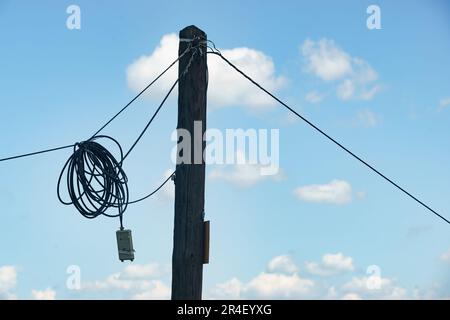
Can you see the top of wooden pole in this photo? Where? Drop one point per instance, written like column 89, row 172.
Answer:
column 191, row 31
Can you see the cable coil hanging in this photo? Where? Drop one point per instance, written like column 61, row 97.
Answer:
column 95, row 180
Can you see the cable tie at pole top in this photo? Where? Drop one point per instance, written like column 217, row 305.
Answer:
column 194, row 42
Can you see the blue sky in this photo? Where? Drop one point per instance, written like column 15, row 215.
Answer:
column 384, row 93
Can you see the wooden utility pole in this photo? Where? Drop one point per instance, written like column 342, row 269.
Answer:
column 188, row 239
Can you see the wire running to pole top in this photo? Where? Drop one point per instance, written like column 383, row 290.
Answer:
column 95, row 179
column 111, row 119
column 218, row 53
column 154, row 191
column 143, row 90
column 36, row 153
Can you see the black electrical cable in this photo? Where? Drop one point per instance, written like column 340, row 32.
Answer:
column 151, row 119
column 95, row 179
column 111, row 119
column 143, row 90
column 35, row 153
column 218, row 53
column 154, row 191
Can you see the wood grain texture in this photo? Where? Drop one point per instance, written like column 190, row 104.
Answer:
column 188, row 246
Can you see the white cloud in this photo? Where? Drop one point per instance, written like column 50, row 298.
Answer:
column 329, row 63
column 334, row 192
column 143, row 70
column 243, row 174
column 314, row 97
column 136, row 281
column 169, row 188
column 444, row 103
column 157, row 291
column 135, row 288
column 331, row 264
column 230, row 289
column 367, row 118
column 226, row 87
column 167, row 192
column 281, row 281
column 229, row 88
column 445, row 256
column 282, row 264
column 47, row 294
column 386, row 288
column 368, row 94
column 139, row 271
column 326, row 60
column 346, row 90
column 332, row 293
column 8, row 281
column 265, row 285
column 279, row 286
column 362, row 71
column 114, row 281
column 351, row 296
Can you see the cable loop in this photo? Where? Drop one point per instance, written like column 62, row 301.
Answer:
column 95, row 180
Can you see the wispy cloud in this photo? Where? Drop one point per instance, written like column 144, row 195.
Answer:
column 367, row 118
column 281, row 281
column 331, row 264
column 243, row 174
column 314, row 97
column 327, row 61
column 287, row 283
column 46, row 294
column 335, row 192
column 444, row 103
column 283, row 264
column 361, row 288
column 136, row 281
column 445, row 256
column 8, row 281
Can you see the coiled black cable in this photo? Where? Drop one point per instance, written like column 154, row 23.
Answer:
column 95, row 179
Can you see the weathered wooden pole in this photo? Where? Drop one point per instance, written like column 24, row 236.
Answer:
column 188, row 239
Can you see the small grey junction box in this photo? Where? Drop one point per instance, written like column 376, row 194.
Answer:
column 125, row 245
